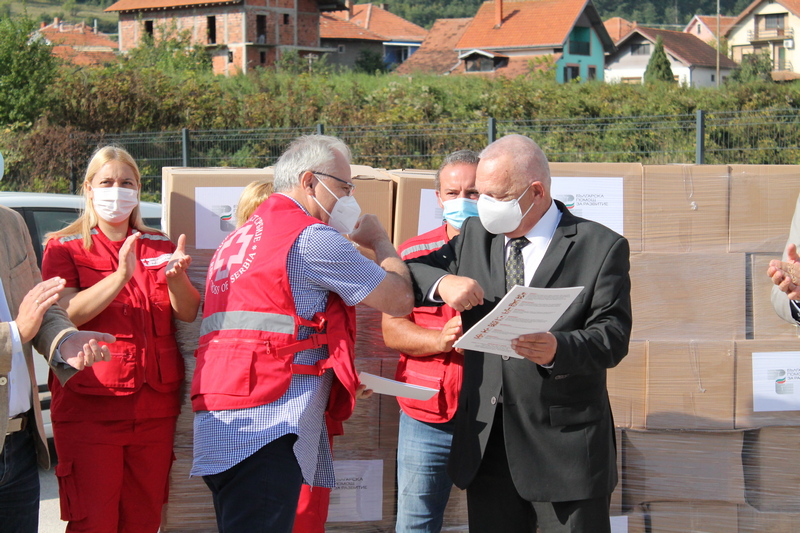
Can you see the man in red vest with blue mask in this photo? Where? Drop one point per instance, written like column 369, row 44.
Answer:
column 276, row 340
column 425, row 339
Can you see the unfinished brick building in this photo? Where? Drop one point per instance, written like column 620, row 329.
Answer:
column 239, row 34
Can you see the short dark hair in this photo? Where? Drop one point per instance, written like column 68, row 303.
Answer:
column 461, row 157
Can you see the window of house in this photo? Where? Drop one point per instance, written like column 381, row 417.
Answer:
column 211, row 29
column 148, row 27
column 640, row 49
column 261, row 29
column 698, row 29
column 340, row 49
column 230, row 56
column 262, row 57
column 579, row 42
column 571, row 72
column 591, row 73
column 713, row 78
column 485, row 64
column 774, row 21
column 286, row 18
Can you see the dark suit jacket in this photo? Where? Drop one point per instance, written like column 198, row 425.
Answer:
column 558, row 428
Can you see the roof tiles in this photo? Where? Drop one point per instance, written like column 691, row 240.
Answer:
column 687, row 47
column 331, row 27
column 552, row 20
column 381, row 22
column 437, row 55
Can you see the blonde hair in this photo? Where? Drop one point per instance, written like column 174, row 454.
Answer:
column 252, row 196
column 88, row 220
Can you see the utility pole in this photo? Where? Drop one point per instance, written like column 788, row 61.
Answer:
column 719, row 43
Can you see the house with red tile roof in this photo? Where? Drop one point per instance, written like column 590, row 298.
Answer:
column 704, row 27
column 79, row 44
column 618, row 27
column 239, row 34
column 357, row 27
column 693, row 62
column 508, row 37
column 437, row 55
column 767, row 27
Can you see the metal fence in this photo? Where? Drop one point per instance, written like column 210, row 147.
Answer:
column 769, row 136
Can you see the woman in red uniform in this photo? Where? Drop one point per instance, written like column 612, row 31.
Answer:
column 114, row 425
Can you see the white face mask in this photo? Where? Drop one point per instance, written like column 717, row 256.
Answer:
column 114, row 204
column 501, row 217
column 345, row 212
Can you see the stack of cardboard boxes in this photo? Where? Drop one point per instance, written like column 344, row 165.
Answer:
column 693, row 453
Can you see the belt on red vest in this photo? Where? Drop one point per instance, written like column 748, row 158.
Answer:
column 314, row 341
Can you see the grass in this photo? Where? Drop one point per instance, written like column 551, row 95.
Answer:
column 44, row 10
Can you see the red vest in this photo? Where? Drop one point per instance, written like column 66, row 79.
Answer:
column 140, row 317
column 443, row 371
column 248, row 336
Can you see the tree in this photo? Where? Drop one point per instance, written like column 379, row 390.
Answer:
column 370, row 62
column 754, row 67
column 27, row 68
column 658, row 68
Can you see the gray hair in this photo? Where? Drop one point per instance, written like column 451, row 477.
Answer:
column 461, row 157
column 309, row 152
column 527, row 158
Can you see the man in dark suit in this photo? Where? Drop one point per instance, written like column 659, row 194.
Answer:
column 534, row 437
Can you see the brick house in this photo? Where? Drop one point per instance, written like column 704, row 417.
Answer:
column 78, row 44
column 239, row 34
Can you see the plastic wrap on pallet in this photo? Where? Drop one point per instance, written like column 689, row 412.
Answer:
column 707, row 403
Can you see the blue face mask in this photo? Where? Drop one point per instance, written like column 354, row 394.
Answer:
column 458, row 210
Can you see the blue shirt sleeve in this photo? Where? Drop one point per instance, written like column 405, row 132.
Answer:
column 332, row 263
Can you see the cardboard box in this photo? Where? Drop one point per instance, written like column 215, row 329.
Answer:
column 763, row 321
column 178, row 193
column 745, row 416
column 627, row 388
column 412, row 187
column 190, row 507
column 181, row 188
column 569, row 181
column 690, row 385
column 771, row 459
column 762, row 202
column 685, row 208
column 752, row 520
column 674, row 517
column 683, row 297
column 679, row 466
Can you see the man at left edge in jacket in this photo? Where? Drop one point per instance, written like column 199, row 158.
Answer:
column 30, row 318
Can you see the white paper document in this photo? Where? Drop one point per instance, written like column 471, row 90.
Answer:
column 776, row 381
column 391, row 387
column 523, row 310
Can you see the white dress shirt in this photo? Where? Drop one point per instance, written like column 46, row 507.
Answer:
column 19, row 381
column 540, row 236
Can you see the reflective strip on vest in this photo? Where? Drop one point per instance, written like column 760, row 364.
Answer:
column 422, row 247
column 227, row 320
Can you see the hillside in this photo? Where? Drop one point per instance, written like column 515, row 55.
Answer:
column 68, row 11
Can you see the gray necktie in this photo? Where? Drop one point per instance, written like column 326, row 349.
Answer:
column 515, row 267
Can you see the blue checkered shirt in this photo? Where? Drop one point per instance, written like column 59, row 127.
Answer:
column 321, row 260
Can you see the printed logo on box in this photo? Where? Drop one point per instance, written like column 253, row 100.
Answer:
column 783, row 383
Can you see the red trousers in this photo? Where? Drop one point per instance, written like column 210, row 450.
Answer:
column 113, row 476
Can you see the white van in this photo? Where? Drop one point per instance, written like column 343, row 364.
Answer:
column 43, row 213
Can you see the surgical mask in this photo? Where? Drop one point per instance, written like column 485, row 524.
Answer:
column 345, row 212
column 114, row 204
column 457, row 210
column 501, row 217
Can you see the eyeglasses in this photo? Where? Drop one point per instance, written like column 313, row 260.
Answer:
column 351, row 187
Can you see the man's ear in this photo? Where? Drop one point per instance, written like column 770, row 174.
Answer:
column 538, row 189
column 307, row 182
column 439, row 199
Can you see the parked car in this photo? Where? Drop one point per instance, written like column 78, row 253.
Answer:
column 43, row 213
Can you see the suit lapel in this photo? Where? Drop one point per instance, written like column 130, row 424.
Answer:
column 557, row 250
column 498, row 266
